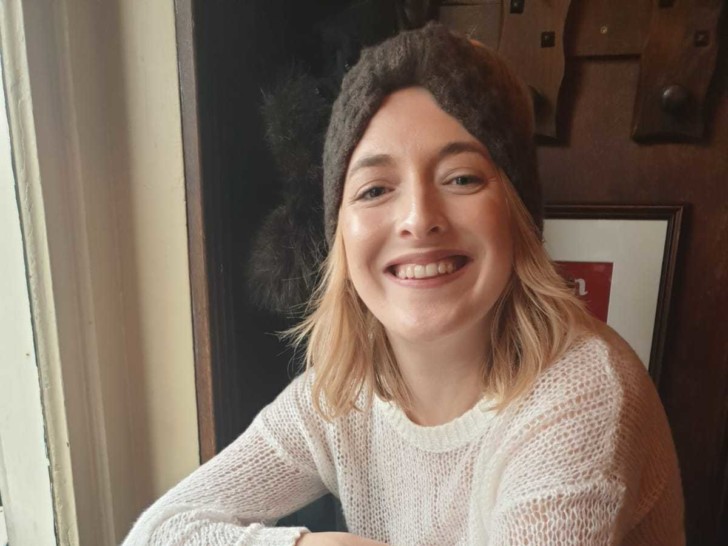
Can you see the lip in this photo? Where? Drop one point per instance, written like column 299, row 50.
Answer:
column 427, row 257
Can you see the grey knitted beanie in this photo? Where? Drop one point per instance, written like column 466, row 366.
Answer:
column 469, row 82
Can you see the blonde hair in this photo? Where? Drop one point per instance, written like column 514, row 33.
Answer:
column 534, row 321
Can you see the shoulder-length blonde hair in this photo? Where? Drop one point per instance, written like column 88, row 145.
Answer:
column 535, row 320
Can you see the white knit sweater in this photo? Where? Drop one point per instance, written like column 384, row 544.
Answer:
column 586, row 458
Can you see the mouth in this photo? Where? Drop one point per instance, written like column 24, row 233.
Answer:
column 440, row 268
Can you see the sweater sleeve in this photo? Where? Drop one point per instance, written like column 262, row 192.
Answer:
column 573, row 471
column 269, row 471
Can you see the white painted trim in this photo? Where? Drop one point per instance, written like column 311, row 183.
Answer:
column 46, row 164
column 24, row 467
column 3, row 529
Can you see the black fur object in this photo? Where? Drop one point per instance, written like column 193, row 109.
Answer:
column 413, row 14
column 290, row 245
column 296, row 114
column 283, row 270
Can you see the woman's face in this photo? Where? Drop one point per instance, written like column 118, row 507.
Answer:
column 424, row 221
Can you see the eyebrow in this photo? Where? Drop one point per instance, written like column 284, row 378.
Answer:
column 461, row 147
column 377, row 160
column 450, row 149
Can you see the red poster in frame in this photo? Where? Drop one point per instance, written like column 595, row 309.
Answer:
column 592, row 282
column 640, row 242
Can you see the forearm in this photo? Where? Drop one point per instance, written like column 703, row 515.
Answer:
column 335, row 539
column 228, row 500
column 206, row 527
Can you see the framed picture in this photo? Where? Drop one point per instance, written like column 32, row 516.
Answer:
column 620, row 259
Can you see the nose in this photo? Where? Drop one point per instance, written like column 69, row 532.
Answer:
column 422, row 213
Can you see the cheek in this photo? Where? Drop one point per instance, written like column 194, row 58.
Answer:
column 490, row 222
column 362, row 240
column 356, row 228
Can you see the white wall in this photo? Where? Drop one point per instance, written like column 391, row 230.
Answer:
column 101, row 195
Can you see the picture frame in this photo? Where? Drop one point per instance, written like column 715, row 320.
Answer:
column 621, row 261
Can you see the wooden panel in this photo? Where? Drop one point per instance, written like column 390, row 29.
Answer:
column 676, row 68
column 601, row 164
column 723, row 505
column 196, row 230
column 467, row 2
column 532, row 41
column 593, row 28
column 607, row 27
column 481, row 22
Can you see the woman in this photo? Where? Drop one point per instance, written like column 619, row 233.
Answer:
column 456, row 391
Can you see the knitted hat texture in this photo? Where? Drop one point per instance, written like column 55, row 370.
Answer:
column 468, row 81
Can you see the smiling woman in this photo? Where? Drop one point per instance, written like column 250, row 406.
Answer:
column 456, row 391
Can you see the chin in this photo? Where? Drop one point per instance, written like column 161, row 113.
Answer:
column 424, row 331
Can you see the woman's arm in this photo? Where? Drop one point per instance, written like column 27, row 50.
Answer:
column 335, row 539
column 557, row 487
column 590, row 459
column 267, row 472
column 572, row 515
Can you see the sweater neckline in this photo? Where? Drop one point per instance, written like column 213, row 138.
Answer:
column 438, row 438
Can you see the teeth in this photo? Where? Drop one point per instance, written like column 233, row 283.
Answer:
column 417, row 271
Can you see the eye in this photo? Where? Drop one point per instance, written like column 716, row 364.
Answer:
column 371, row 193
column 464, row 180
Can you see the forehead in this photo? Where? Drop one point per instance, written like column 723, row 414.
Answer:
column 410, row 123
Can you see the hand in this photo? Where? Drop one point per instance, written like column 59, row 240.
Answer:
column 335, row 539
